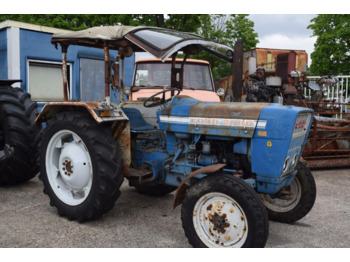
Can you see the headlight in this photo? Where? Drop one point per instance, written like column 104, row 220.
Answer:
column 220, row 91
column 295, row 160
column 285, row 165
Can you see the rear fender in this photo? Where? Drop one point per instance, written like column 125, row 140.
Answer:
column 182, row 188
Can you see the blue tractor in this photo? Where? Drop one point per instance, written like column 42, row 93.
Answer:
column 233, row 165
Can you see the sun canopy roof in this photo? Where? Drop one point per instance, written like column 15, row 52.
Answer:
column 160, row 42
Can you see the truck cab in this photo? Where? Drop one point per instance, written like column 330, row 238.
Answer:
column 152, row 75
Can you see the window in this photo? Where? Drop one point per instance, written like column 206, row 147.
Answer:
column 92, row 79
column 153, row 74
column 45, row 80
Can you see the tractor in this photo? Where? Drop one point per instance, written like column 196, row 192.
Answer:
column 233, row 166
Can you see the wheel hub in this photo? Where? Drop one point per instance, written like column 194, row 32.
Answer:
column 219, row 222
column 74, row 167
column 67, row 167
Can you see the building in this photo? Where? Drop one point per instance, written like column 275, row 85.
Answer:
column 26, row 53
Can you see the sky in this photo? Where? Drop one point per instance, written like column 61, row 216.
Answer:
column 284, row 31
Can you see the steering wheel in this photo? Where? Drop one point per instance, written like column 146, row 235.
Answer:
column 162, row 100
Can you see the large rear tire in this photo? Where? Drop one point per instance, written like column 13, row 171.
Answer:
column 224, row 211
column 18, row 136
column 80, row 166
column 295, row 201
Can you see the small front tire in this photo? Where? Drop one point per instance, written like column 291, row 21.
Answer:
column 296, row 200
column 223, row 211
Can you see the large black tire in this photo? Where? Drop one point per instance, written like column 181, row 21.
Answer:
column 18, row 136
column 298, row 201
column 155, row 190
column 95, row 180
column 224, row 211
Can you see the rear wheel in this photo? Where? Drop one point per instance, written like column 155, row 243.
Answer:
column 18, row 136
column 295, row 201
column 223, row 211
column 80, row 166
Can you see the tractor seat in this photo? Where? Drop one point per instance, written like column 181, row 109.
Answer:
column 137, row 122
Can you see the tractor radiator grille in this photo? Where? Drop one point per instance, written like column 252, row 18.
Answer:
column 298, row 138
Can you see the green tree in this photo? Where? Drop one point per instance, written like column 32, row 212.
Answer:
column 180, row 22
column 332, row 47
column 226, row 29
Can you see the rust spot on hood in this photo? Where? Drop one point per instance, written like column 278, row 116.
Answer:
column 228, row 110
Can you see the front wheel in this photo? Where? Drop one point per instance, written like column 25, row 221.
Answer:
column 80, row 166
column 295, row 201
column 223, row 211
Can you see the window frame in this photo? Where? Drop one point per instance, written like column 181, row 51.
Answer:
column 50, row 62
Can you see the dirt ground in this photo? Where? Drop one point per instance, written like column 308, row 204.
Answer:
column 27, row 220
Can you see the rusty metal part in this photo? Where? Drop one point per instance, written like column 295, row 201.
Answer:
column 228, row 110
column 107, row 70
column 64, row 73
column 285, row 63
column 328, row 144
column 124, row 142
column 318, row 163
column 67, row 167
column 237, row 71
column 116, row 72
column 92, row 108
column 181, row 190
column 121, row 96
column 141, row 175
column 266, row 59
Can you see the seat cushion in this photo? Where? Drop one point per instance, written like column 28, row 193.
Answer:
column 137, row 122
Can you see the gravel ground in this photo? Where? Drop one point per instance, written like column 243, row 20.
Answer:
column 27, row 220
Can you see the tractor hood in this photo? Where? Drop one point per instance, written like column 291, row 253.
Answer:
column 189, row 115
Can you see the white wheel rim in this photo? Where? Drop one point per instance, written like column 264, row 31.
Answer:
column 69, row 167
column 220, row 221
column 288, row 202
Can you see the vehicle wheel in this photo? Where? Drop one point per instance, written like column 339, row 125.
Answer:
column 80, row 166
column 18, row 136
column 154, row 189
column 295, row 201
column 224, row 211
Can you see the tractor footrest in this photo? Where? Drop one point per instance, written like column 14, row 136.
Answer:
column 142, row 176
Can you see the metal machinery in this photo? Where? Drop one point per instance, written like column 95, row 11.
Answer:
column 233, row 165
column 280, row 76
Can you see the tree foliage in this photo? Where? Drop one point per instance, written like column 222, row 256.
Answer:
column 225, row 29
column 181, row 22
column 332, row 47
